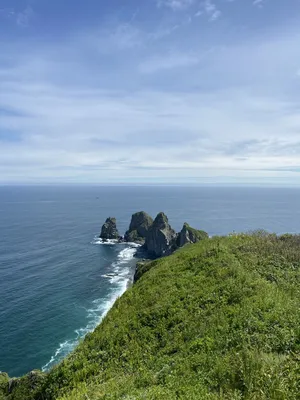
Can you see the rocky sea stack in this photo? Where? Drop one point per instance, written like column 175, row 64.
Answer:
column 161, row 238
column 139, row 228
column 190, row 235
column 109, row 230
column 156, row 237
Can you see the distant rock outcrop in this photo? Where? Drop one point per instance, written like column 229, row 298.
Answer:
column 190, row 235
column 161, row 238
column 139, row 228
column 109, row 230
column 157, row 237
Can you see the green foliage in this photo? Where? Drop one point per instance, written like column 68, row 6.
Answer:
column 143, row 267
column 200, row 235
column 28, row 387
column 216, row 320
column 3, row 385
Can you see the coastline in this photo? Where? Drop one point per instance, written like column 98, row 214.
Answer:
column 100, row 307
column 176, row 313
column 155, row 238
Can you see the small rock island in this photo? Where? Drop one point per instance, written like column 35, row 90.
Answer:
column 109, row 230
column 156, row 236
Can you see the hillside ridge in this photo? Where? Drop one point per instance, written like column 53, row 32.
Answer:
column 218, row 319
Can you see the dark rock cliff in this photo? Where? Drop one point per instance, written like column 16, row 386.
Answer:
column 161, row 238
column 139, row 228
column 109, row 230
column 157, row 237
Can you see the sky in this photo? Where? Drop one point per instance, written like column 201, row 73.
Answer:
column 152, row 91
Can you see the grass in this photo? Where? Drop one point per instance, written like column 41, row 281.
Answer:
column 199, row 235
column 216, row 320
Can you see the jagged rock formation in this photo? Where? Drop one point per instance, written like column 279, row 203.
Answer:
column 190, row 235
column 157, row 237
column 109, row 229
column 161, row 238
column 139, row 227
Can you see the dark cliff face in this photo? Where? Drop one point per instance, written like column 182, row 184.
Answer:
column 109, row 230
column 161, row 238
column 190, row 235
column 139, row 227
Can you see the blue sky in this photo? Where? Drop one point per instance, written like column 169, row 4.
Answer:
column 178, row 91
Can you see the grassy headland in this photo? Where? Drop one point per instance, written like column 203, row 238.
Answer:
column 219, row 319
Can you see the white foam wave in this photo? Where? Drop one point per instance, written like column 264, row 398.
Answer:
column 120, row 278
column 108, row 242
column 132, row 244
column 112, row 242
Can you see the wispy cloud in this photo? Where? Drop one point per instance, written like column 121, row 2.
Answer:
column 175, row 5
column 126, row 36
column 126, row 100
column 21, row 18
column 7, row 12
column 211, row 10
column 167, row 62
column 258, row 3
column 94, row 134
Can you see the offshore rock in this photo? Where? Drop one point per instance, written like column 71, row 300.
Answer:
column 109, row 230
column 139, row 228
column 161, row 238
column 190, row 235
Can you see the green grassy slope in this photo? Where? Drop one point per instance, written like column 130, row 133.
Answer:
column 216, row 320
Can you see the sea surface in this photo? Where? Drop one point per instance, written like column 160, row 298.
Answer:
column 57, row 280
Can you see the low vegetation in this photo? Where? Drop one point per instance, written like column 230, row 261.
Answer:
column 195, row 233
column 215, row 320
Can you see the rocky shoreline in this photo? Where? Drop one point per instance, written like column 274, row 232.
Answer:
column 156, row 237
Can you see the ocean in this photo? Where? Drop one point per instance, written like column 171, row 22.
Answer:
column 56, row 278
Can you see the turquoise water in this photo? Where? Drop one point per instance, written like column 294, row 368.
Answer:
column 54, row 274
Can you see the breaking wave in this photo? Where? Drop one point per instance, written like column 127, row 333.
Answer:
column 120, row 277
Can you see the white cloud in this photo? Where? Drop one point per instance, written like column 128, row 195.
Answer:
column 198, row 13
column 211, row 10
column 208, row 7
column 175, row 5
column 83, row 110
column 97, row 135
